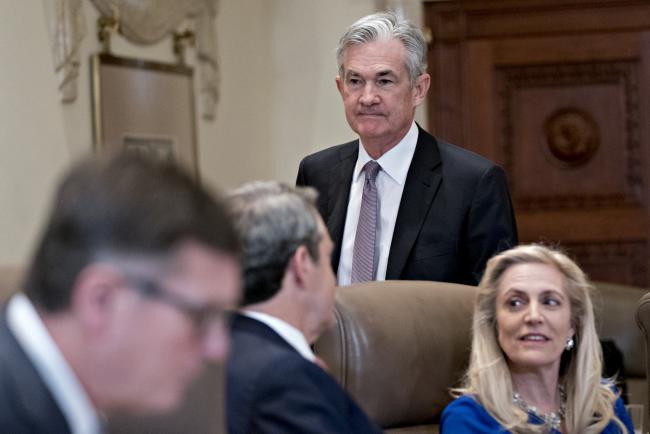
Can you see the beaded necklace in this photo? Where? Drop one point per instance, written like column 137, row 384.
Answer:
column 552, row 419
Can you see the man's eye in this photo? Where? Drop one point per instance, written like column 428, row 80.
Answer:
column 354, row 81
column 385, row 82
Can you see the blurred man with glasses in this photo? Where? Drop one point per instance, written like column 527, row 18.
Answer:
column 123, row 301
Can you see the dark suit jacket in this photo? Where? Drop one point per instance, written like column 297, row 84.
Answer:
column 455, row 211
column 271, row 388
column 26, row 404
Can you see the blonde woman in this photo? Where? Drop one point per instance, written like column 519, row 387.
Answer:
column 535, row 364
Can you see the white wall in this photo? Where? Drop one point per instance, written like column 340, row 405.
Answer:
column 307, row 112
column 33, row 147
column 238, row 145
column 278, row 100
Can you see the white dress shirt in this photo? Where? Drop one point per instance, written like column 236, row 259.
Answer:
column 33, row 337
column 289, row 333
column 390, row 185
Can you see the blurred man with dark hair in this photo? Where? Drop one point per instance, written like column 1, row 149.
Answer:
column 123, row 300
column 274, row 384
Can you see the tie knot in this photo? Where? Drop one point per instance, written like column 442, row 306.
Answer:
column 371, row 168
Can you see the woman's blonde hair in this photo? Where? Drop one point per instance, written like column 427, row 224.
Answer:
column 590, row 401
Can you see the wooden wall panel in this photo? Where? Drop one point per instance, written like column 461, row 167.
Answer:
column 578, row 125
column 557, row 92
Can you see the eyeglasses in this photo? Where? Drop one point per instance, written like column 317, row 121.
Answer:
column 203, row 317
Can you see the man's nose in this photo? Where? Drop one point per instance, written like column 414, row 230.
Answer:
column 368, row 94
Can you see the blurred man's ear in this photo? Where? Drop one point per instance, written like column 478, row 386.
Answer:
column 94, row 295
column 300, row 265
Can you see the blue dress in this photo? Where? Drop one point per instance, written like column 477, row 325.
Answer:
column 467, row 416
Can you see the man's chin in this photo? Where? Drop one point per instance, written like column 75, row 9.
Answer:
column 150, row 405
column 166, row 404
column 370, row 130
column 170, row 399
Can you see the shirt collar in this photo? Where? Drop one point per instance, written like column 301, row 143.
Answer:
column 396, row 162
column 32, row 335
column 289, row 333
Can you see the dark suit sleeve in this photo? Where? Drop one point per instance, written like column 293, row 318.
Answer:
column 491, row 226
column 300, row 179
column 297, row 396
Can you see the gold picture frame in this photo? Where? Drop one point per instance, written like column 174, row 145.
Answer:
column 144, row 106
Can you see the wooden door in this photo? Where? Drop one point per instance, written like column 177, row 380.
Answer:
column 558, row 93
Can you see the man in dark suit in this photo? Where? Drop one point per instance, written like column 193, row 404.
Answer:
column 428, row 210
column 275, row 383
column 123, row 300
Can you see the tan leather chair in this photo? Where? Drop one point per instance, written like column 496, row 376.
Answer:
column 398, row 346
column 615, row 307
column 643, row 321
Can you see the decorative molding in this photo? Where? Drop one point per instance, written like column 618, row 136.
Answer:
column 449, row 27
column 149, row 21
column 206, row 46
column 513, row 78
column 572, row 136
column 568, row 201
column 628, row 258
column 67, row 31
column 524, row 18
column 141, row 22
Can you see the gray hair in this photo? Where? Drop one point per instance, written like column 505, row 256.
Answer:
column 386, row 26
column 272, row 220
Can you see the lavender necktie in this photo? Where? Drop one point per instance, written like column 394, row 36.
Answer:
column 364, row 254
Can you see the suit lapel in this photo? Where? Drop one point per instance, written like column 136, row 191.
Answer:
column 32, row 396
column 422, row 183
column 339, row 195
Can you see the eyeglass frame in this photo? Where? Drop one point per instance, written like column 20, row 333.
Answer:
column 202, row 317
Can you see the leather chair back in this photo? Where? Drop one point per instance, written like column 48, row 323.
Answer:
column 643, row 322
column 397, row 348
column 615, row 307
